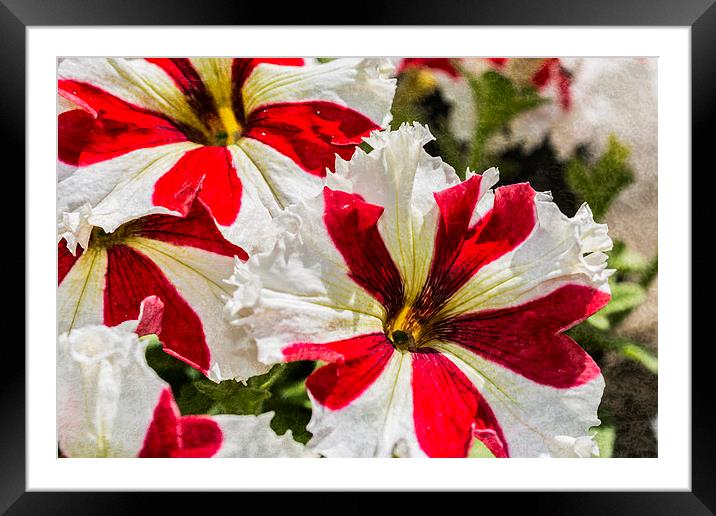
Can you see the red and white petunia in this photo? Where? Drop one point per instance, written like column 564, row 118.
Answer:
column 592, row 99
column 547, row 75
column 112, row 404
column 183, row 261
column 439, row 306
column 243, row 136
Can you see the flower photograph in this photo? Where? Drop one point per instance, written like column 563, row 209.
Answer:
column 357, row 257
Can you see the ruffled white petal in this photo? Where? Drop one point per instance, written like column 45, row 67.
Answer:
column 300, row 291
column 401, row 177
column 559, row 251
column 120, row 189
column 106, row 392
column 379, row 423
column 537, row 420
column 361, row 84
column 252, row 437
column 75, row 228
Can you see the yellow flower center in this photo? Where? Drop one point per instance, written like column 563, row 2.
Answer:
column 406, row 331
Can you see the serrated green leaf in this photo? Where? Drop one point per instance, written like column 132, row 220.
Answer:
column 599, row 184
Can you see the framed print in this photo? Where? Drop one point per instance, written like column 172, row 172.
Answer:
column 287, row 255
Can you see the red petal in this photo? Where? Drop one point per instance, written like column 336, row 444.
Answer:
column 355, row 364
column 170, row 435
column 119, row 127
column 526, row 338
column 206, row 172
column 131, row 277
column 310, row 133
column 461, row 251
column 352, row 225
column 65, row 259
column 196, row 229
column 448, row 410
column 444, row 64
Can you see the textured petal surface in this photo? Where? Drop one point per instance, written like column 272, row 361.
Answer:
column 106, row 392
column 400, row 177
column 301, row 290
column 534, row 418
column 184, row 262
column 360, row 84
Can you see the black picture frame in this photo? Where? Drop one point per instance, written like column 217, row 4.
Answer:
column 700, row 15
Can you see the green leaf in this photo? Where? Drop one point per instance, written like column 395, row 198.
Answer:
column 498, row 100
column 600, row 321
column 605, row 437
column 599, row 184
column 625, row 297
column 639, row 354
column 626, row 260
column 232, row 397
column 649, row 272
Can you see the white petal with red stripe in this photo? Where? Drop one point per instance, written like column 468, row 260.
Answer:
column 556, row 251
column 183, row 261
column 399, row 176
column 361, row 84
column 112, row 404
column 120, row 189
column 135, row 81
column 536, row 419
column 300, row 290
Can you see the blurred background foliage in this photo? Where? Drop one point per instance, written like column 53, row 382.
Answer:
column 629, row 406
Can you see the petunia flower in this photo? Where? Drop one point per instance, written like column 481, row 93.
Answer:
column 542, row 73
column 112, row 404
column 438, row 306
column 183, row 261
column 547, row 75
column 592, row 99
column 244, row 136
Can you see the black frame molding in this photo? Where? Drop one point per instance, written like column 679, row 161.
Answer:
column 700, row 15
